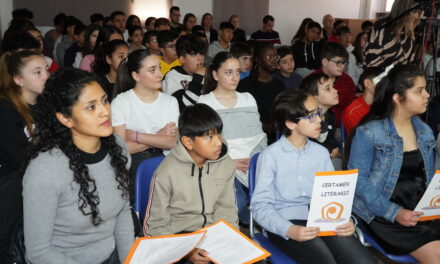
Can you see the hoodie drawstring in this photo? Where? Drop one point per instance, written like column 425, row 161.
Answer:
column 192, row 169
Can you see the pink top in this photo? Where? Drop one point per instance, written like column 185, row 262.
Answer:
column 86, row 62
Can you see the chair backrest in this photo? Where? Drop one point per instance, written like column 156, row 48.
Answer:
column 252, row 172
column 144, row 173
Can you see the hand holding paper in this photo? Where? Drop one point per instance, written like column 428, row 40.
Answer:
column 332, row 199
column 302, row 233
column 429, row 205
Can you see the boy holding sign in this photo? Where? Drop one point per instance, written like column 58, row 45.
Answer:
column 285, row 175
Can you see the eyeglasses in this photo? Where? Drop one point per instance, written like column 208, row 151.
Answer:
column 272, row 57
column 339, row 63
column 312, row 116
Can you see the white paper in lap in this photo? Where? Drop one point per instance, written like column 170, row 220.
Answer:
column 430, row 202
column 332, row 200
column 224, row 245
column 165, row 250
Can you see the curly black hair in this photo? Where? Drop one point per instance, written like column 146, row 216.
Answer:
column 61, row 92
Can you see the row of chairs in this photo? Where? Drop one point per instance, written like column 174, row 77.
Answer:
column 146, row 170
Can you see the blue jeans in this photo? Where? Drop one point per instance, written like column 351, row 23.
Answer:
column 242, row 197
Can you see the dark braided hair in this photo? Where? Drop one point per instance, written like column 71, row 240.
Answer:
column 61, row 92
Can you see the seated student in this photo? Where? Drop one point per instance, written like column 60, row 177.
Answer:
column 167, row 47
column 267, row 34
column 334, row 58
column 106, row 34
column 241, row 120
column 244, row 54
column 394, row 151
column 208, row 30
column 90, row 36
column 107, row 62
column 185, row 82
column 76, row 185
column 24, row 74
column 149, row 40
column 284, row 182
column 263, row 86
column 343, row 37
column 135, row 36
column 286, row 65
column 320, row 86
column 337, row 24
column 307, row 50
column 367, row 26
column 239, row 34
column 357, row 61
column 194, row 186
column 34, row 32
column 66, row 40
column 149, row 23
column 142, row 115
column 225, row 34
column 354, row 112
column 78, row 42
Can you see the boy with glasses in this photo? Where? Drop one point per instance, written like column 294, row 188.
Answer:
column 334, row 59
column 167, row 47
column 284, row 182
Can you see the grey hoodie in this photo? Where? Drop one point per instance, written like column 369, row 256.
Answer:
column 185, row 198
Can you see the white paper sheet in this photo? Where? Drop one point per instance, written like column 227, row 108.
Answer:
column 227, row 246
column 332, row 200
column 161, row 250
column 429, row 205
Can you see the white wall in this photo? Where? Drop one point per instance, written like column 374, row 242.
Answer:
column 197, row 7
column 289, row 14
column 5, row 15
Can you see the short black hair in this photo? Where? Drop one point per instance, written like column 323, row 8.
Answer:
column 166, row 36
column 199, row 120
column 79, row 29
column 239, row 49
column 161, row 21
column 314, row 24
column 133, row 28
column 96, row 17
column 310, row 83
column 59, row 19
column 268, row 18
column 174, row 8
column 370, row 73
column 332, row 50
column 22, row 13
column 16, row 40
column 226, row 25
column 116, row 13
column 289, row 106
column 342, row 30
column 283, row 51
column 366, row 24
column 147, row 36
column 190, row 44
column 338, row 22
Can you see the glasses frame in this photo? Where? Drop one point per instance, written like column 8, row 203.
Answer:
column 339, row 63
column 312, row 116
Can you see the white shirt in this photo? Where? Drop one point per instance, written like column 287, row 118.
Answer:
column 129, row 110
column 243, row 100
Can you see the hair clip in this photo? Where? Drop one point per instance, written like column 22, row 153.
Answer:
column 383, row 74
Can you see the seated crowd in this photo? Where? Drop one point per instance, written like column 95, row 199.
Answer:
column 84, row 105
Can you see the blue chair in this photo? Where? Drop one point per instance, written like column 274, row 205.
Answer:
column 367, row 240
column 144, row 173
column 277, row 255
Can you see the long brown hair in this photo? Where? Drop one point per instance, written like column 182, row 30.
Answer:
column 11, row 64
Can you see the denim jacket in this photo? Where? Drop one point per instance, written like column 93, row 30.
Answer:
column 377, row 151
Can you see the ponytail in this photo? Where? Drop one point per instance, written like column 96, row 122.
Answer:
column 209, row 84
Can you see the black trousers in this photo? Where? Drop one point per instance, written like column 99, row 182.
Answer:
column 323, row 250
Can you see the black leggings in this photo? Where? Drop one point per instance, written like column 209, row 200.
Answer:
column 323, row 250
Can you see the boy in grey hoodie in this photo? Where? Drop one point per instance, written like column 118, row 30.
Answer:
column 194, row 186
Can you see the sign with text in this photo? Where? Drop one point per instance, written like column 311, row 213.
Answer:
column 332, row 199
column 429, row 205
